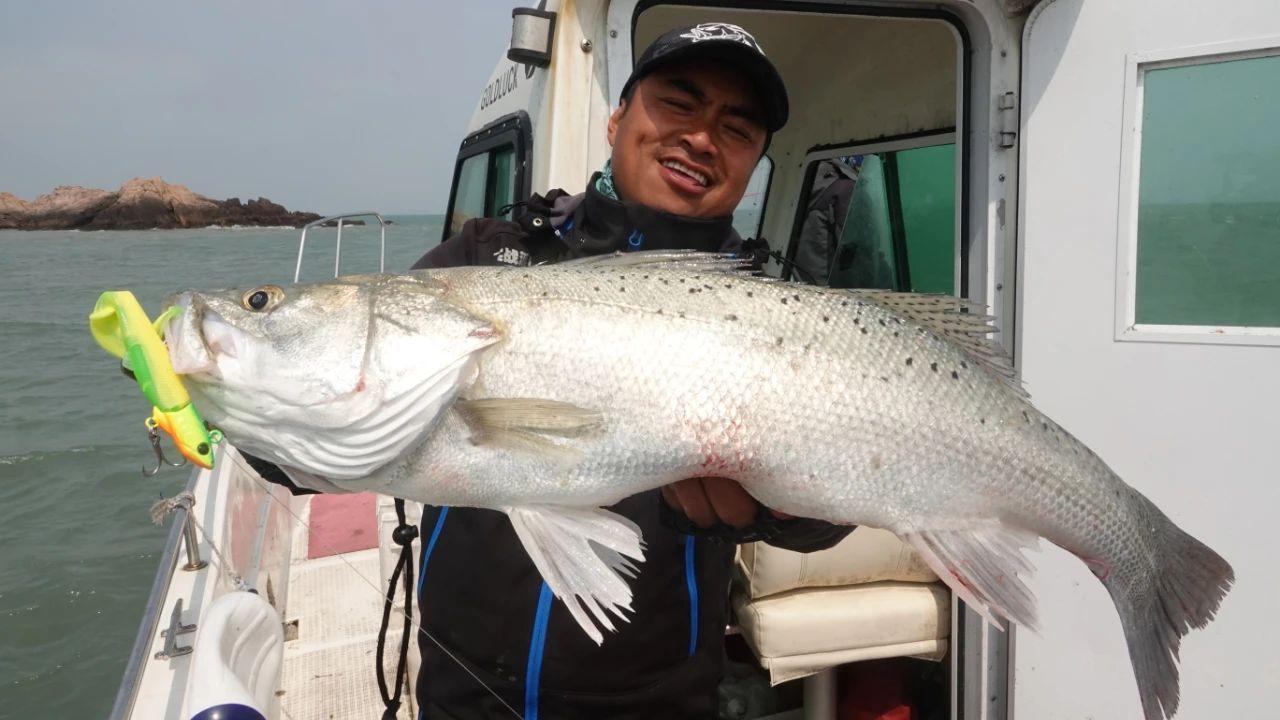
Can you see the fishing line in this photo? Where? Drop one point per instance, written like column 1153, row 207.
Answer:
column 382, row 597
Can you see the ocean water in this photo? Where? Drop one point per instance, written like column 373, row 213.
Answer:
column 77, row 549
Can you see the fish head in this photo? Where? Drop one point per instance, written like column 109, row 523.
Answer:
column 333, row 379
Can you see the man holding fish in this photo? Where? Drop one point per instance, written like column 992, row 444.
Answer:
column 695, row 118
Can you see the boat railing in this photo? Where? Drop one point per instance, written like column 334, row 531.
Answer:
column 181, row 531
column 340, row 220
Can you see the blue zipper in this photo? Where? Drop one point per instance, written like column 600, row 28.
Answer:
column 538, row 641
column 691, row 580
column 426, row 555
column 431, row 545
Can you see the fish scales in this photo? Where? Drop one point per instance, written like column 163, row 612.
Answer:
column 550, row 392
column 787, row 368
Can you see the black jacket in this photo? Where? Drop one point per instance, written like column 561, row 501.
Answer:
column 479, row 592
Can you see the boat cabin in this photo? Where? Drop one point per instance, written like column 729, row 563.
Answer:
column 1103, row 175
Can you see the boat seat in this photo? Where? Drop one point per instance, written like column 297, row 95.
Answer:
column 869, row 597
column 236, row 663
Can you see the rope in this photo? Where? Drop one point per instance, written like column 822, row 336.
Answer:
column 403, row 536
column 161, row 509
column 409, row 621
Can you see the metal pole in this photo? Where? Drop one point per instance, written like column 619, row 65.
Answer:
column 302, row 244
column 820, row 696
column 193, row 547
column 337, row 251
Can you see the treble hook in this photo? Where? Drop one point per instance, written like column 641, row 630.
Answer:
column 153, row 435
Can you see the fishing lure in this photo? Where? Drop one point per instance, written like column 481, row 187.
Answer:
column 122, row 328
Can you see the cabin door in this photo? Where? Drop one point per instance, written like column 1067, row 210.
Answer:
column 1149, row 321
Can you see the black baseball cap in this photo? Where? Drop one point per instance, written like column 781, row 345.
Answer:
column 723, row 41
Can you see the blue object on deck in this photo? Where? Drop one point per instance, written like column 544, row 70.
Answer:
column 229, row 711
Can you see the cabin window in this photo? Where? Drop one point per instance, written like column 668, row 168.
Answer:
column 882, row 219
column 472, row 181
column 1208, row 198
column 750, row 211
column 485, row 187
column 491, row 173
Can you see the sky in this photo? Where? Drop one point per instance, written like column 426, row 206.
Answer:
column 321, row 106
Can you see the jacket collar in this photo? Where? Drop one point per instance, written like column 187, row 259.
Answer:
column 601, row 224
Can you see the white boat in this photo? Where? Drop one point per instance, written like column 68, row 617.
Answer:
column 1101, row 173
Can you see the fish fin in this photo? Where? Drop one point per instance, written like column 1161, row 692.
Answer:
column 962, row 323
column 584, row 555
column 981, row 565
column 528, row 425
column 690, row 260
column 1158, row 607
column 532, row 415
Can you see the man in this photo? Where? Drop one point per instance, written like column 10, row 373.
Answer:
column 833, row 183
column 695, row 117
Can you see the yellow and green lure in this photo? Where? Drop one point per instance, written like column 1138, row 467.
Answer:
column 122, row 328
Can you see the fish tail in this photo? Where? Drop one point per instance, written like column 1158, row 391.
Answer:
column 1160, row 604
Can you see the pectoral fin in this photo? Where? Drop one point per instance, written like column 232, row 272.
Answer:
column 585, row 556
column 529, row 425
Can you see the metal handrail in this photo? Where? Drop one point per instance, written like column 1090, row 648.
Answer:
column 128, row 692
column 337, row 251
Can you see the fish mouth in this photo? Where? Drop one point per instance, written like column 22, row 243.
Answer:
column 199, row 337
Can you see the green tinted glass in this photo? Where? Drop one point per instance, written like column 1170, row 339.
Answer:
column 1209, row 195
column 864, row 257
column 927, row 191
column 468, row 202
column 900, row 229
column 502, row 186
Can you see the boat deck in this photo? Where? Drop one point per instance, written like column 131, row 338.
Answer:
column 334, row 610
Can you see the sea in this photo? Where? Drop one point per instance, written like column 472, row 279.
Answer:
column 78, row 551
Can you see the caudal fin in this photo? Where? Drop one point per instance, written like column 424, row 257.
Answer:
column 1157, row 609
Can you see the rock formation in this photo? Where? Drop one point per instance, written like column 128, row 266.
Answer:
column 140, row 204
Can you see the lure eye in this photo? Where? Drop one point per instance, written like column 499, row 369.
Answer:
column 262, row 298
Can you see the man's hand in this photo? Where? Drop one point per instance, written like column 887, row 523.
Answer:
column 711, row 500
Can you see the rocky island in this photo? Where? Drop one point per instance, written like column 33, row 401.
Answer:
column 140, row 204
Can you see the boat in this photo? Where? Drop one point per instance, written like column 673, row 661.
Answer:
column 1100, row 174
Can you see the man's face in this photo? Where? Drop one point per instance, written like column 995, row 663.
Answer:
column 688, row 139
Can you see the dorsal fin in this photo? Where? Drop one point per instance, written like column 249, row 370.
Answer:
column 960, row 322
column 688, row 260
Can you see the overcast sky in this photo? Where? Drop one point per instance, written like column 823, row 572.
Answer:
column 322, row 106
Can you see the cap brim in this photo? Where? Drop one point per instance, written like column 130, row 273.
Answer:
column 770, row 89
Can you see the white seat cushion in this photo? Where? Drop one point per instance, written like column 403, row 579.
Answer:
column 866, row 555
column 803, row 631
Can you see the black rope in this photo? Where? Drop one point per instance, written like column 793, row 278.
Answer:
column 805, row 275
column 403, row 536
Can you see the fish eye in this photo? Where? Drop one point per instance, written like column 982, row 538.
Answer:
column 262, row 298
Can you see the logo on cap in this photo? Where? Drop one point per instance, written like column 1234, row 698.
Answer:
column 722, row 31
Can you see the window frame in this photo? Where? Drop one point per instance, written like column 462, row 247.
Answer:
column 913, row 141
column 514, row 130
column 1126, row 284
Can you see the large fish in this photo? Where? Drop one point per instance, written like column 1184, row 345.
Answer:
column 549, row 392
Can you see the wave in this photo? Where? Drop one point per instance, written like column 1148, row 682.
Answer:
column 38, row 455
